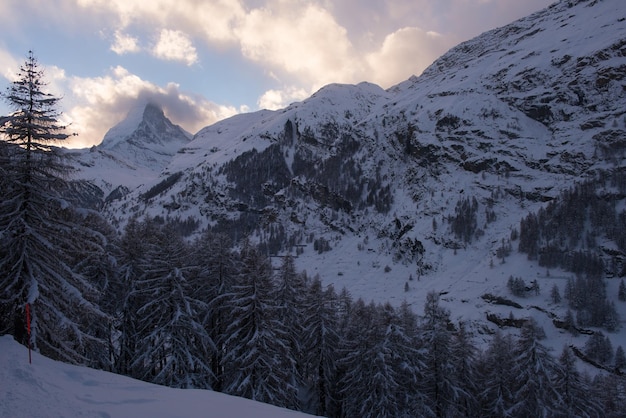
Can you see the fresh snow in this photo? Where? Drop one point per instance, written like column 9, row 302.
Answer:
column 125, row 127
column 475, row 80
column 47, row 388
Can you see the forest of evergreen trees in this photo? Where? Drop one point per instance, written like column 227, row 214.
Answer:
column 202, row 315
column 212, row 314
column 568, row 232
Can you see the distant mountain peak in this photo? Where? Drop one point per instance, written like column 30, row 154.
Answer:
column 144, row 121
column 146, row 137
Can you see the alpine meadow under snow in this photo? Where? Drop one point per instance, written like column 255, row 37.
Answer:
column 452, row 246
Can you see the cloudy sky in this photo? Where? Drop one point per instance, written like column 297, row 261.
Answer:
column 204, row 60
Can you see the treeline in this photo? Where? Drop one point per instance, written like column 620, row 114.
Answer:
column 566, row 232
column 204, row 316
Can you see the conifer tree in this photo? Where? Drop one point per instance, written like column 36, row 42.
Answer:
column 257, row 361
column 290, row 294
column 215, row 267
column 129, row 255
column 412, row 393
column 573, row 389
column 173, row 347
column 598, row 347
column 320, row 345
column 464, row 358
column 610, row 391
column 555, row 295
column 39, row 234
column 535, row 394
column 496, row 397
column 439, row 379
column 371, row 361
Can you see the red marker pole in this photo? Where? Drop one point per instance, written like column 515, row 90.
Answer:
column 28, row 329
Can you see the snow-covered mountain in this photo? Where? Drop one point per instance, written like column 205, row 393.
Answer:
column 145, row 137
column 133, row 152
column 365, row 184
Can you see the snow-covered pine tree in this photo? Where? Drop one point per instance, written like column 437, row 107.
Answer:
column 124, row 301
column 497, row 379
column 401, row 346
column 290, row 294
column 599, row 348
column 411, row 394
column 370, row 382
column 215, row 268
column 39, row 237
column 257, row 362
column 574, row 390
column 609, row 390
column 320, row 344
column 555, row 295
column 439, row 379
column 535, row 393
column 464, row 358
column 380, row 365
column 173, row 347
column 93, row 260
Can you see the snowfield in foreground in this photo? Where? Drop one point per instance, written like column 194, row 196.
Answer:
column 48, row 388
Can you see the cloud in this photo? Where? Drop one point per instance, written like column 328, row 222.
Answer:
column 277, row 99
column 211, row 20
column 97, row 104
column 403, row 53
column 124, row 44
column 8, row 65
column 313, row 43
column 174, row 45
column 299, row 40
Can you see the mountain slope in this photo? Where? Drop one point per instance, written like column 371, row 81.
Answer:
column 145, row 138
column 132, row 153
column 48, row 388
column 423, row 186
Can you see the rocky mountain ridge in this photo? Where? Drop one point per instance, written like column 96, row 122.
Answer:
column 393, row 193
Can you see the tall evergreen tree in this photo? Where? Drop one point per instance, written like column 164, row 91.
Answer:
column 496, row 397
column 257, row 363
column 370, row 382
column 535, row 393
column 411, row 394
column 598, row 347
column 573, row 389
column 610, row 391
column 129, row 255
column 464, row 359
column 320, row 345
column 95, row 262
column 290, row 294
column 215, row 267
column 621, row 292
column 174, row 348
column 39, row 236
column 439, row 378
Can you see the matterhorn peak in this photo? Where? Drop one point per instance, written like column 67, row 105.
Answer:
column 146, row 137
column 144, row 121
